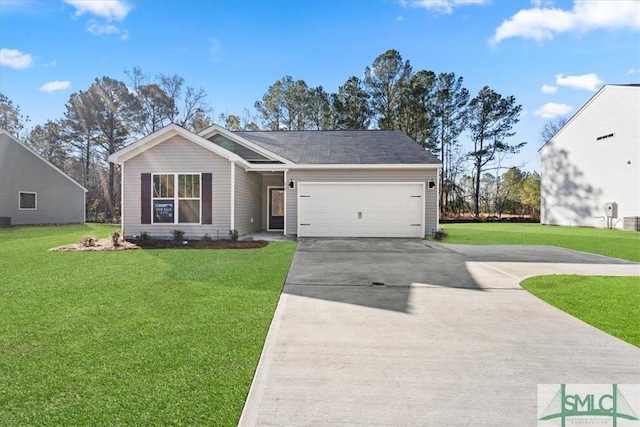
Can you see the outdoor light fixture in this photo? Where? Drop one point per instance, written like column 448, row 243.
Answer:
column 432, row 184
column 292, row 184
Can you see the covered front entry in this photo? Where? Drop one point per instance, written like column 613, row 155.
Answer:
column 366, row 209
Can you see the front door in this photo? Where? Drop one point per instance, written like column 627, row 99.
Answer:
column 276, row 208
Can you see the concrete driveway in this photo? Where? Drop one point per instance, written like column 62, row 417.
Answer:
column 406, row 332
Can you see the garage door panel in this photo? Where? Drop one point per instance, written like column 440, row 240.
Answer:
column 360, row 210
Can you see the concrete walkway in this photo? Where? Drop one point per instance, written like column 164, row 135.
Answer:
column 449, row 339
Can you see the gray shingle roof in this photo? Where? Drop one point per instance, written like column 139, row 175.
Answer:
column 342, row 147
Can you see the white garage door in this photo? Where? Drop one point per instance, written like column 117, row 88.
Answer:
column 360, row 209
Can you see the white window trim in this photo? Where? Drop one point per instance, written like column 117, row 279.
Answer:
column 20, row 208
column 176, row 199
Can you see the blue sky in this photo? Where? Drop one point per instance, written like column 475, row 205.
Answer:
column 552, row 56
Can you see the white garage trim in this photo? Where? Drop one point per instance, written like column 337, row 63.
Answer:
column 380, row 220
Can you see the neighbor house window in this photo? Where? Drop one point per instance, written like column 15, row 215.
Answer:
column 176, row 198
column 27, row 200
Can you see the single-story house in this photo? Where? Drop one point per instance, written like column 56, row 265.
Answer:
column 591, row 167
column 372, row 183
column 33, row 191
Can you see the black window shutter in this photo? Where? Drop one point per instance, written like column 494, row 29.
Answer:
column 206, row 198
column 145, row 198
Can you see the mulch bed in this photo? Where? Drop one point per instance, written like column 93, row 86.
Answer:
column 107, row 245
column 201, row 244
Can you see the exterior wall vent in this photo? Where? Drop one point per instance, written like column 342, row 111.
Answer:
column 604, row 137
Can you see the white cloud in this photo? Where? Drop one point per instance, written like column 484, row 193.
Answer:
column 551, row 110
column 549, row 89
column 441, row 6
column 13, row 58
column 108, row 9
column 98, row 29
column 544, row 23
column 55, row 86
column 633, row 70
column 589, row 81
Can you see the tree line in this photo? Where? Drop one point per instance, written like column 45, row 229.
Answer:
column 434, row 110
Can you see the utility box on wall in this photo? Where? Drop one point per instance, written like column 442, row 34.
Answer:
column 611, row 210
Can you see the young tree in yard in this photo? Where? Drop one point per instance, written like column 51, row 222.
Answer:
column 450, row 116
column 11, row 119
column 415, row 112
column 351, row 106
column 491, row 118
column 385, row 80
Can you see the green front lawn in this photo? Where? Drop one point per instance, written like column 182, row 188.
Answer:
column 142, row 337
column 614, row 243
column 608, row 303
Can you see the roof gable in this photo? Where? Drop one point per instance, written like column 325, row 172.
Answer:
column 592, row 100
column 164, row 134
column 52, row 166
column 236, row 137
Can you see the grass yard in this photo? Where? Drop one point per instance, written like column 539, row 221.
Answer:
column 141, row 337
column 611, row 305
column 613, row 243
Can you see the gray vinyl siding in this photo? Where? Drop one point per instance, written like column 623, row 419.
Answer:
column 177, row 155
column 269, row 181
column 59, row 200
column 581, row 173
column 379, row 175
column 248, row 201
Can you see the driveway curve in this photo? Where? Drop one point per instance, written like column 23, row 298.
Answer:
column 391, row 332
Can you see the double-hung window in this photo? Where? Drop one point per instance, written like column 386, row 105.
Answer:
column 176, row 198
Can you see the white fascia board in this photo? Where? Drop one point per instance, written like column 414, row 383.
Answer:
column 215, row 129
column 165, row 133
column 14, row 139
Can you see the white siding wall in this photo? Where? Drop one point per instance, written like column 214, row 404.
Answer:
column 248, row 200
column 431, row 196
column 172, row 156
column 58, row 201
column 580, row 174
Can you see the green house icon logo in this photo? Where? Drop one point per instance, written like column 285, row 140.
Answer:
column 580, row 407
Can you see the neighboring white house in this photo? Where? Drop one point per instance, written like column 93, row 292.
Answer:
column 33, row 191
column 591, row 167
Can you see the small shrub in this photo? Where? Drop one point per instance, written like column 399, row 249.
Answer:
column 115, row 238
column 88, row 241
column 233, row 235
column 178, row 235
column 440, row 235
column 145, row 237
column 206, row 238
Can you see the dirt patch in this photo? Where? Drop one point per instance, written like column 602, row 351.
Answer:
column 107, row 245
